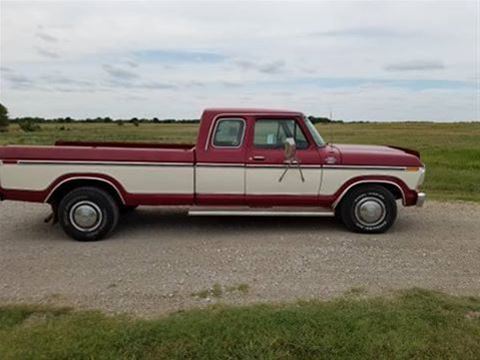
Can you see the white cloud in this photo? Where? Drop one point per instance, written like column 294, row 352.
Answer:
column 367, row 60
column 416, row 65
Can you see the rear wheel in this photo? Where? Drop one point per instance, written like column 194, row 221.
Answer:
column 368, row 209
column 88, row 214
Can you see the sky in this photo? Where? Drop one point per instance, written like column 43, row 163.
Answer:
column 354, row 60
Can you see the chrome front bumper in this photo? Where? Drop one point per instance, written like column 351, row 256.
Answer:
column 421, row 197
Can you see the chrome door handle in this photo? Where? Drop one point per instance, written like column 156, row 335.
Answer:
column 258, row 158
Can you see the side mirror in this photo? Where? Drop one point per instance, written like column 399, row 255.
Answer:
column 290, row 158
column 290, row 149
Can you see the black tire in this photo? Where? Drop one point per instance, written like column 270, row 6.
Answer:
column 338, row 214
column 54, row 207
column 124, row 209
column 84, row 206
column 369, row 209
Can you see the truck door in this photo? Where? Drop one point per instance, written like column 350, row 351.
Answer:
column 270, row 179
column 220, row 172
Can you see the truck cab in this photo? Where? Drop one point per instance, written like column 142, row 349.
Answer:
column 245, row 151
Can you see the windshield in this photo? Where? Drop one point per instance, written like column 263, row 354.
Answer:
column 313, row 130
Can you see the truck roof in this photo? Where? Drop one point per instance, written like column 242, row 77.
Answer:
column 217, row 111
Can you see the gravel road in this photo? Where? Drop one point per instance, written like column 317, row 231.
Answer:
column 156, row 260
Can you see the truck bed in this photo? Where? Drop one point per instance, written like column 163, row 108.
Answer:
column 141, row 173
column 98, row 151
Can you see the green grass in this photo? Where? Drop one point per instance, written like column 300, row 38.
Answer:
column 450, row 151
column 414, row 324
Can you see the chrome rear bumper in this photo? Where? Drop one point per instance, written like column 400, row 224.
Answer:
column 421, row 197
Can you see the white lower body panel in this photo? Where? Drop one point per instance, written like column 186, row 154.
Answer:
column 135, row 179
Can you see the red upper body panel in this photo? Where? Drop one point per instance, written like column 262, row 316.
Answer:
column 87, row 153
column 375, row 155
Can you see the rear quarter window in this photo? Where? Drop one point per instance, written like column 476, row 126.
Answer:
column 229, row 132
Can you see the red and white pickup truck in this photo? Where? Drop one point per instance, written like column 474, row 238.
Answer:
column 245, row 162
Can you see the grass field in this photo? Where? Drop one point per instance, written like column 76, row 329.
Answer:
column 411, row 325
column 451, row 151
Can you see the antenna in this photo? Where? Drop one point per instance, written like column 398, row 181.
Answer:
column 331, row 123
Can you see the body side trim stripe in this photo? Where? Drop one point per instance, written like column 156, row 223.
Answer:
column 176, row 164
column 101, row 163
column 364, row 167
column 220, row 165
column 255, row 165
column 303, row 166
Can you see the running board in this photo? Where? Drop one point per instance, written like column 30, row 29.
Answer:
column 260, row 212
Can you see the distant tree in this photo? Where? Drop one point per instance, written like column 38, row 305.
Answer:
column 156, row 120
column 135, row 121
column 322, row 119
column 4, row 121
column 318, row 119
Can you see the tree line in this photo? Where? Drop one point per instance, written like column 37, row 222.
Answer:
column 29, row 123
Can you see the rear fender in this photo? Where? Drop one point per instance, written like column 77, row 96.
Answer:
column 65, row 180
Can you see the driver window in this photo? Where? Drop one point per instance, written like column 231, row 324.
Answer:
column 271, row 134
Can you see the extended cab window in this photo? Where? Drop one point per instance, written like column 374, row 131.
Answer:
column 229, row 133
column 271, row 134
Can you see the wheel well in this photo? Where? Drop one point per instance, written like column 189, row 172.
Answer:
column 394, row 190
column 68, row 186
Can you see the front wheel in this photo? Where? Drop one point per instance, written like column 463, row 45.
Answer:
column 368, row 209
column 88, row 214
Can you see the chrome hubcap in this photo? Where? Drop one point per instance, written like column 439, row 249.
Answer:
column 85, row 216
column 370, row 211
